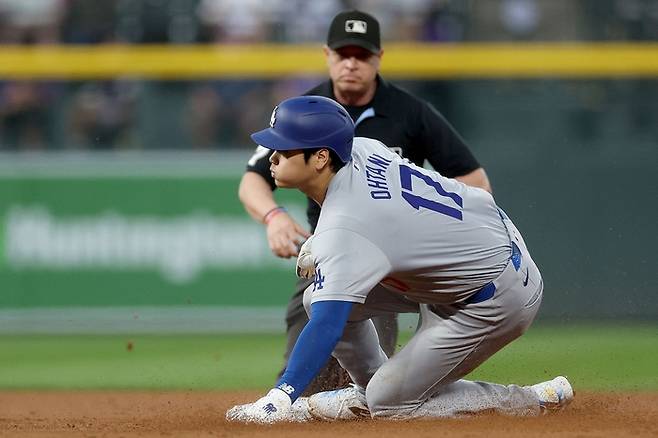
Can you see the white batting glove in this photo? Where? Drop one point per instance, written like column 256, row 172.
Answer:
column 305, row 261
column 273, row 408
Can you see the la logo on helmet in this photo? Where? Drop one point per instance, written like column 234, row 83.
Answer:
column 273, row 116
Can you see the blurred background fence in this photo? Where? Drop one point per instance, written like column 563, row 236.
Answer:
column 124, row 131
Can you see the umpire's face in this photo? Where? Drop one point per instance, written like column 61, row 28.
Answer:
column 353, row 69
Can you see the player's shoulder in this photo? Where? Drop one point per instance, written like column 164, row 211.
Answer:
column 367, row 143
column 322, row 89
column 399, row 96
column 414, row 107
column 362, row 147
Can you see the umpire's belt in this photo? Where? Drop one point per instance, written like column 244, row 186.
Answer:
column 488, row 290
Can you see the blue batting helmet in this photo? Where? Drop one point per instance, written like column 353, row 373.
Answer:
column 308, row 122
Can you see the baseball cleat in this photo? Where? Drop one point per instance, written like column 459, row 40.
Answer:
column 342, row 404
column 554, row 394
column 299, row 411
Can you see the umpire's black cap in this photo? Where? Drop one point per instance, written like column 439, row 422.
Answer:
column 354, row 28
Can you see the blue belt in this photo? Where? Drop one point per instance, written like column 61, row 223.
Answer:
column 483, row 294
column 488, row 290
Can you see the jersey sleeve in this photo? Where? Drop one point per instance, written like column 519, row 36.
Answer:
column 445, row 150
column 347, row 266
column 260, row 163
column 314, row 345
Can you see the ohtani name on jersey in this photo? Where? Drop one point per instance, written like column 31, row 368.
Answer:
column 376, row 176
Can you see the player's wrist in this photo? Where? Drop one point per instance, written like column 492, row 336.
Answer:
column 271, row 214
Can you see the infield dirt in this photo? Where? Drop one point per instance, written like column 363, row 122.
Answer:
column 201, row 414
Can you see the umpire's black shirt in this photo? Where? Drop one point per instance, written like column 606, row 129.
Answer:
column 404, row 123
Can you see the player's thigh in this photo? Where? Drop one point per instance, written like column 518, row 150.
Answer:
column 379, row 302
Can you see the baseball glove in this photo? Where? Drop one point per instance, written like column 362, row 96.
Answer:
column 305, row 260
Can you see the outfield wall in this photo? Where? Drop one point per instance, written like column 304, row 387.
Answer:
column 159, row 242
column 147, row 242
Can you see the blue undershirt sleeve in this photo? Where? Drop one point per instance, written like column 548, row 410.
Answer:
column 314, row 345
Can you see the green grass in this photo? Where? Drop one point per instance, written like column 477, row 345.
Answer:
column 153, row 362
column 593, row 356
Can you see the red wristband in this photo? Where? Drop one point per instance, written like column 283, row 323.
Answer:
column 273, row 212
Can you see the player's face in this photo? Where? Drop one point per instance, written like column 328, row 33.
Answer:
column 289, row 169
column 352, row 69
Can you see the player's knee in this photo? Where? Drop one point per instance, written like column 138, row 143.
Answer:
column 382, row 405
column 387, row 395
column 383, row 399
column 377, row 405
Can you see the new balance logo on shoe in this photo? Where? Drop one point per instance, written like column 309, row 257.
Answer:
column 359, row 412
column 342, row 404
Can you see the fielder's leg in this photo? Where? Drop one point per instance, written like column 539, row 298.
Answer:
column 387, row 331
column 296, row 319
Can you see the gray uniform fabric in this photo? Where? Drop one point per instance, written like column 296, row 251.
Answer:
column 454, row 245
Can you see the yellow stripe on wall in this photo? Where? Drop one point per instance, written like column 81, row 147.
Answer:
column 524, row 60
column 422, row 61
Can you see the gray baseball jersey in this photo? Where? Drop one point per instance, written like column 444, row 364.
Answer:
column 437, row 242
column 384, row 219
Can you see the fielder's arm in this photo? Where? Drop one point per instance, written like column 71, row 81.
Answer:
column 447, row 151
column 256, row 195
column 476, row 178
column 284, row 235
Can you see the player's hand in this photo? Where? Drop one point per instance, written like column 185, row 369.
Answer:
column 284, row 235
column 272, row 408
column 305, row 260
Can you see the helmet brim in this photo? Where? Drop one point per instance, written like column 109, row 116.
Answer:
column 270, row 139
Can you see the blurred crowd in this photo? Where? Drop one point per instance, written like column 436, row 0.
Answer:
column 296, row 21
column 131, row 114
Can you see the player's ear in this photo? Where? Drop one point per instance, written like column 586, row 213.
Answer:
column 322, row 159
column 326, row 51
column 378, row 59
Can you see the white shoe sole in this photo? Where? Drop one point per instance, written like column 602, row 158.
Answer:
column 356, row 412
column 564, row 392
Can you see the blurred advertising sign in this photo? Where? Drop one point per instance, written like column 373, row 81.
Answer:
column 179, row 248
column 135, row 241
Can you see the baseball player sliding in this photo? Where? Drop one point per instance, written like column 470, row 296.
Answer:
column 439, row 248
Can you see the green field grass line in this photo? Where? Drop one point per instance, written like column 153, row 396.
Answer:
column 595, row 357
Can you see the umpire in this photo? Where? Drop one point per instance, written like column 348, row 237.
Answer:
column 380, row 110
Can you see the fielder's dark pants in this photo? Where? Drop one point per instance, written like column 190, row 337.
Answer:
column 332, row 376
